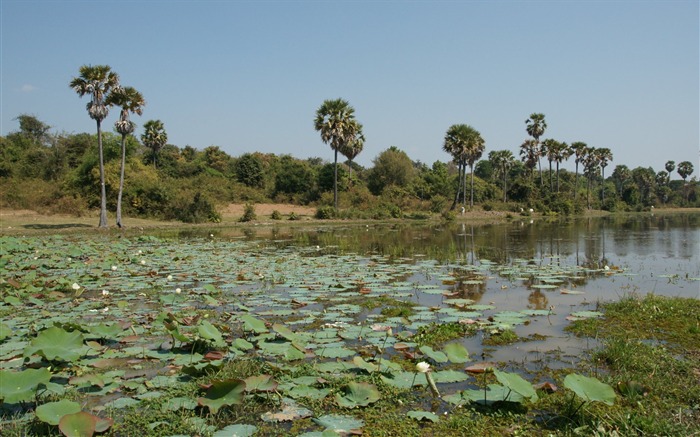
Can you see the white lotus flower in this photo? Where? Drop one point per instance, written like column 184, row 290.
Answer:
column 143, row 262
column 423, row 367
column 178, row 291
column 75, row 286
column 170, row 277
column 114, row 268
column 105, row 292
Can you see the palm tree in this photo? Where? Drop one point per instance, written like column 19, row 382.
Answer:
column 335, row 120
column 620, row 175
column 590, row 169
column 97, row 81
column 503, row 161
column 603, row 155
column 529, row 155
column 536, row 125
column 351, row 150
column 466, row 146
column 579, row 150
column 685, row 169
column 561, row 153
column 154, row 137
column 129, row 100
column 670, row 166
column 549, row 149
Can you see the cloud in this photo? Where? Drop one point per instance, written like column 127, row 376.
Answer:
column 27, row 88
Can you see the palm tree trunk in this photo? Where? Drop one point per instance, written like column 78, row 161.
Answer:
column 335, row 180
column 557, row 177
column 464, row 184
column 576, row 183
column 121, row 183
column 103, row 189
column 551, row 184
column 505, row 185
column 471, row 194
column 459, row 185
column 602, row 186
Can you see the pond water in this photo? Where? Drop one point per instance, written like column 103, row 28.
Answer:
column 531, row 277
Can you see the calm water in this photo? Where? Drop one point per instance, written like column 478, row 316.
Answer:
column 594, row 259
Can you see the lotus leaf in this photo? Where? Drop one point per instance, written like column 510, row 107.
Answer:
column 448, row 376
column 56, row 344
column 82, row 424
column 338, row 423
column 358, row 394
column 590, row 389
column 104, row 331
column 437, row 356
column 423, row 415
column 222, row 393
column 252, row 324
column 493, row 393
column 239, row 430
column 263, row 383
column 456, row 353
column 209, row 332
column 52, row 412
column 516, row 383
column 21, row 386
column 5, row 331
column 404, row 380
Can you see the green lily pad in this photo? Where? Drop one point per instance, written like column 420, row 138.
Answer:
column 456, row 353
column 82, row 424
column 222, row 393
column 52, row 412
column 57, row 344
column 21, row 386
column 423, row 415
column 260, row 383
column 590, row 389
column 437, row 356
column 252, row 324
column 339, row 423
column 358, row 394
column 239, row 430
column 516, row 383
column 210, row 332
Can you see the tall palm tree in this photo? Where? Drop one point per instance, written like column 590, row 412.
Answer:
column 503, row 160
column 579, row 150
column 335, row 120
column 603, row 155
column 685, row 169
column 620, row 175
column 97, row 81
column 549, row 149
column 351, row 150
column 590, row 169
column 466, row 146
column 562, row 152
column 130, row 100
column 535, row 127
column 529, row 155
column 154, row 137
column 670, row 166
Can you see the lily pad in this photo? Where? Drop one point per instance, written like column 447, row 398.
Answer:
column 339, row 423
column 223, row 393
column 590, row 389
column 423, row 415
column 57, row 344
column 516, row 383
column 239, row 430
column 52, row 412
column 358, row 394
column 22, row 386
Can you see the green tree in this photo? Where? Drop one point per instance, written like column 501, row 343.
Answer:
column 603, row 155
column 154, row 137
column 503, row 161
column 670, row 166
column 685, row 169
column 529, row 155
column 392, row 167
column 590, row 169
column 249, row 170
column 466, row 146
column 335, row 120
column 97, row 81
column 32, row 127
column 535, row 127
column 579, row 150
column 130, row 101
column 620, row 176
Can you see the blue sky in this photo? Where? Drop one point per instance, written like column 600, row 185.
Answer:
column 249, row 76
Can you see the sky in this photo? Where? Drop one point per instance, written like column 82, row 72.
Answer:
column 249, row 75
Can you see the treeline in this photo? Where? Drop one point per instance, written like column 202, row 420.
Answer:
column 59, row 173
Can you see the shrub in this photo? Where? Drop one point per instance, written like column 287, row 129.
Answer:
column 325, row 212
column 448, row 216
column 438, row 203
column 248, row 213
column 294, row 216
column 199, row 210
column 487, row 206
column 276, row 215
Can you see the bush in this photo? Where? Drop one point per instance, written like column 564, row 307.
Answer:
column 248, row 213
column 326, row 213
column 487, row 206
column 199, row 210
column 438, row 203
column 448, row 216
column 276, row 215
column 294, row 216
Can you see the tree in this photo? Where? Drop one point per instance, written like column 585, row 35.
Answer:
column 603, row 155
column 32, row 127
column 556, row 151
column 590, row 169
column 529, row 155
column 154, row 137
column 352, row 149
column 391, row 167
column 466, row 146
column 335, row 120
column 249, row 170
column 502, row 160
column 129, row 100
column 670, row 166
column 97, row 81
column 579, row 150
column 535, row 127
column 620, row 175
column 685, row 169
